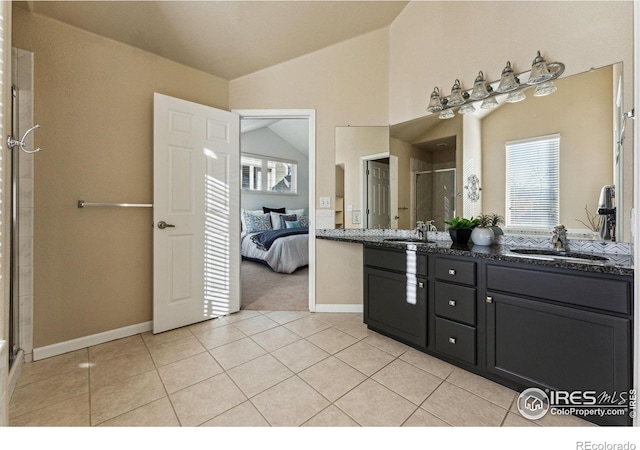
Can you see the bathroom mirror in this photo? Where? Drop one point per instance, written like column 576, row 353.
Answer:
column 442, row 168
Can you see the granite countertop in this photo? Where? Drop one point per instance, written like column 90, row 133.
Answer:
column 620, row 265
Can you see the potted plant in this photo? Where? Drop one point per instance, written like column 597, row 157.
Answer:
column 460, row 229
column 483, row 234
column 493, row 221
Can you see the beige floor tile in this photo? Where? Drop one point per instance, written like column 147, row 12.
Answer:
column 237, row 352
column 306, row 326
column 482, row 387
column 371, row 404
column 365, row 358
column 73, row 412
column 243, row 415
column 38, row 370
column 290, row 403
column 128, row 345
column 155, row 414
column 335, row 318
column 275, row 338
column 458, row 407
column 332, row 340
column 48, row 391
column 259, row 374
column 205, row 400
column 331, row 416
column 242, row 315
column 188, row 371
column 256, row 324
column 283, row 317
column 173, row 351
column 220, row 336
column 119, row 368
column 208, row 325
column 422, row 418
column 386, row 344
column 426, row 362
column 354, row 327
column 332, row 377
column 516, row 420
column 115, row 399
column 300, row 355
column 167, row 336
column 412, row 383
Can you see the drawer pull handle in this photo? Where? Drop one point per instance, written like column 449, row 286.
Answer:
column 489, row 299
column 421, row 284
column 452, row 340
column 452, row 271
column 452, row 303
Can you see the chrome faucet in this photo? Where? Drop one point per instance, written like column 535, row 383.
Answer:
column 421, row 227
column 559, row 238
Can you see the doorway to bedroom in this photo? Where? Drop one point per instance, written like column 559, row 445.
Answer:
column 276, row 201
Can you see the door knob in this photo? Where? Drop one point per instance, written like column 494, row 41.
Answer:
column 162, row 225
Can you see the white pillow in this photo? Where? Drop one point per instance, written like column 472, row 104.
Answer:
column 297, row 212
column 242, row 219
column 275, row 220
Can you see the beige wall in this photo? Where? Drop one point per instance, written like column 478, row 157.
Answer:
column 346, row 84
column 94, row 101
column 338, row 282
column 585, row 125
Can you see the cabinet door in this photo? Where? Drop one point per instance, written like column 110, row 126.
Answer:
column 561, row 348
column 396, row 304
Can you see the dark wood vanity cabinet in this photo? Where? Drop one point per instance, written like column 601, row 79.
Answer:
column 519, row 324
column 395, row 289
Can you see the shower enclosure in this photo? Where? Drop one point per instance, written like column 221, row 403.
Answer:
column 21, row 163
column 436, row 196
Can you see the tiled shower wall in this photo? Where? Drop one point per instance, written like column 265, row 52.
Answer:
column 25, row 201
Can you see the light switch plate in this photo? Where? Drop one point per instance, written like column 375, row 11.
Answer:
column 355, row 216
column 325, row 202
column 349, row 208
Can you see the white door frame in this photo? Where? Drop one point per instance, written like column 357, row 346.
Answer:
column 310, row 115
column 363, row 183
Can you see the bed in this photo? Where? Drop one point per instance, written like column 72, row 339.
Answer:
column 283, row 249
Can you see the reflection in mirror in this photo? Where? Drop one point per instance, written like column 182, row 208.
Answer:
column 584, row 114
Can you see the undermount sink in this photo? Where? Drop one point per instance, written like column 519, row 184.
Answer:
column 558, row 254
column 409, row 240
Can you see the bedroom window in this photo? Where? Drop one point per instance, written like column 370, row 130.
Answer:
column 533, row 182
column 281, row 175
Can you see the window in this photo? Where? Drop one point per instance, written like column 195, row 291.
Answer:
column 533, row 183
column 281, row 175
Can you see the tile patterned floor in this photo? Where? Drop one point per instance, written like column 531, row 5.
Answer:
column 261, row 368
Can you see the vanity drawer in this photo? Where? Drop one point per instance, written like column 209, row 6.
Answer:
column 456, row 340
column 456, row 271
column 407, row 261
column 456, row 302
column 594, row 292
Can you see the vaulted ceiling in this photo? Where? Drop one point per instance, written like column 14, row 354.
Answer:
column 228, row 39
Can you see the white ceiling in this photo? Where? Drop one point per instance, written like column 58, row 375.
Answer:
column 228, row 39
column 293, row 131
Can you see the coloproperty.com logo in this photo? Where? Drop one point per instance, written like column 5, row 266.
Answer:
column 534, row 403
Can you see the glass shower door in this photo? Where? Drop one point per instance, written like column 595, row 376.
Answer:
column 436, row 196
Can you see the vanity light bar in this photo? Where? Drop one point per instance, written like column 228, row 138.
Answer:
column 541, row 74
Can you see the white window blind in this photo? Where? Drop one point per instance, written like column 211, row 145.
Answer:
column 533, row 182
column 280, row 176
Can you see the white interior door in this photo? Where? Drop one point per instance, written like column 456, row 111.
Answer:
column 378, row 203
column 196, row 199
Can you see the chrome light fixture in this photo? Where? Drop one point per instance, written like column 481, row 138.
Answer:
column 508, row 80
column 435, row 103
column 480, row 90
column 456, row 98
column 541, row 76
column 539, row 71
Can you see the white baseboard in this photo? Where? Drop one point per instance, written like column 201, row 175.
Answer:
column 87, row 341
column 338, row 308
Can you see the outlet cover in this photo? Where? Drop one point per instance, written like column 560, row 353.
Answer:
column 325, row 202
column 355, row 217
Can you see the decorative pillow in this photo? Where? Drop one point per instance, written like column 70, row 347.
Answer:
column 257, row 222
column 304, row 221
column 286, row 217
column 292, row 223
column 277, row 210
column 297, row 212
column 243, row 221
